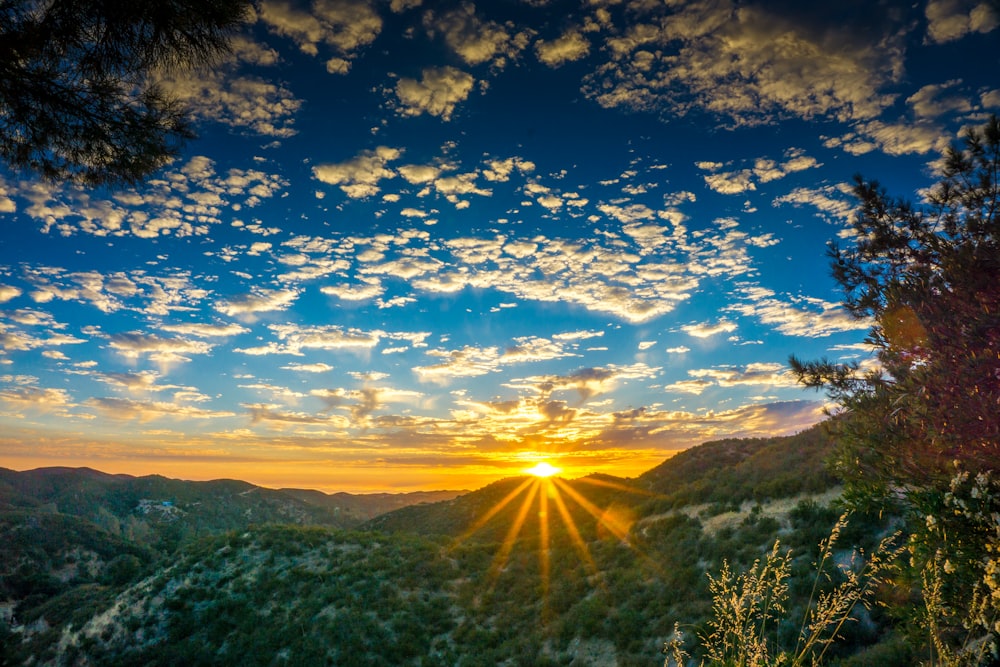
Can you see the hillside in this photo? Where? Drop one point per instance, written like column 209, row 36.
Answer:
column 153, row 508
column 355, row 509
column 521, row 572
column 736, row 470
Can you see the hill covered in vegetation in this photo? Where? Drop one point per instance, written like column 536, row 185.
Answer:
column 525, row 571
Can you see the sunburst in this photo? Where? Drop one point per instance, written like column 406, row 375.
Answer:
column 541, row 490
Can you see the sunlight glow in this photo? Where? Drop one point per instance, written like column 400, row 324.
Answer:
column 543, row 469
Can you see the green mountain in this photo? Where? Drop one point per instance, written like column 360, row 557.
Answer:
column 593, row 571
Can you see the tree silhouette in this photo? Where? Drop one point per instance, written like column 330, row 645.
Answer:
column 77, row 98
column 920, row 431
column 928, row 278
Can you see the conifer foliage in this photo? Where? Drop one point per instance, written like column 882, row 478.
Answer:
column 928, row 278
column 919, row 431
column 77, row 101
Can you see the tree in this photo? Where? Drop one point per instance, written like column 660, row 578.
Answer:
column 919, row 430
column 928, row 278
column 77, row 94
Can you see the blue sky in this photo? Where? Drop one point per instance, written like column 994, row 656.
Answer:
column 424, row 245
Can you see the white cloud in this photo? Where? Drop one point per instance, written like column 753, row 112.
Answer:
column 799, row 315
column 708, row 329
column 474, row 40
column 260, row 301
column 359, row 177
column 202, row 330
column 161, row 350
column 438, row 92
column 345, row 25
column 750, row 64
column 8, row 292
column 950, row 20
column 569, row 46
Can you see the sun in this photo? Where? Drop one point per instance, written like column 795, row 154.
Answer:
column 543, row 469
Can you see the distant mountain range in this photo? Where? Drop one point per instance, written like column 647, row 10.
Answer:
column 102, row 569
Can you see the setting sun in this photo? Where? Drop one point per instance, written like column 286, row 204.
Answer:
column 543, row 469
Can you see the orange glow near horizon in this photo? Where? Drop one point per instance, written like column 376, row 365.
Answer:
column 333, row 476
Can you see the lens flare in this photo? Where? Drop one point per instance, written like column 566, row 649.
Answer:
column 543, row 469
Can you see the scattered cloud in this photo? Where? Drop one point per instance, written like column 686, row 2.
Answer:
column 360, row 176
column 437, row 93
column 799, row 315
column 473, row 39
column 750, row 64
column 261, row 301
column 709, row 329
column 569, row 46
column 950, row 20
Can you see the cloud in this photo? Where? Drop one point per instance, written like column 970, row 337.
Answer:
column 309, row 368
column 355, row 292
column 694, row 387
column 261, row 301
column 124, row 409
column 137, row 290
column 931, row 101
column 345, row 25
column 219, row 95
column 799, row 315
column 577, row 335
column 37, row 399
column 569, row 46
column 161, row 350
column 273, row 415
column 361, row 404
column 297, row 338
column 749, row 64
column 8, row 293
column 708, row 329
column 474, row 40
column 202, row 330
column 585, row 382
column 764, row 170
column 181, row 202
column 769, row 374
column 468, row 361
column 359, row 177
column 438, row 92
column 680, row 429
column 830, row 201
column 950, row 20
column 13, row 339
column 920, row 136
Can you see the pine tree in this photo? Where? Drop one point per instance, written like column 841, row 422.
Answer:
column 77, row 101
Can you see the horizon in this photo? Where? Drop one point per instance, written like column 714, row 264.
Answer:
column 529, row 472
column 424, row 247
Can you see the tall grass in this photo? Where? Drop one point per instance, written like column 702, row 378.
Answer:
column 747, row 608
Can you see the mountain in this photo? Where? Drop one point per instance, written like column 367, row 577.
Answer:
column 486, row 514
column 358, row 508
column 525, row 571
column 154, row 507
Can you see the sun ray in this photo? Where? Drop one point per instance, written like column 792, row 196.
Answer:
column 574, row 532
column 618, row 487
column 503, row 554
column 544, row 557
column 493, row 511
column 617, row 527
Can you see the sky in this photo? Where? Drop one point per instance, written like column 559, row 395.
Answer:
column 426, row 245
